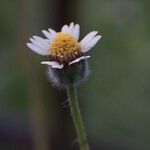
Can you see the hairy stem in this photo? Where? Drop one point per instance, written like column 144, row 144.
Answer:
column 75, row 111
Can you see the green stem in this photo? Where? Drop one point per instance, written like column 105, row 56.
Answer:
column 75, row 111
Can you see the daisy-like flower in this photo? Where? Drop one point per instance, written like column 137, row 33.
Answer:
column 63, row 48
column 67, row 65
column 65, row 52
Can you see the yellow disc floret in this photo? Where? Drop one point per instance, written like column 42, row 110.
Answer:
column 64, row 48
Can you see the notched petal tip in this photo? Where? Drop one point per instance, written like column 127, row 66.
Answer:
column 87, row 38
column 89, row 41
column 37, row 49
column 91, row 44
column 76, row 31
column 52, row 32
column 100, row 36
column 29, row 45
column 47, row 34
column 72, row 24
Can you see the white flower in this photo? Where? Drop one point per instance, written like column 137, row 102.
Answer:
column 63, row 48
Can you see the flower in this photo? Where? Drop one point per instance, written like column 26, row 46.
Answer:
column 63, row 48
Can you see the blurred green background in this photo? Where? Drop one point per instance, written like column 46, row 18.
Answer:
column 114, row 101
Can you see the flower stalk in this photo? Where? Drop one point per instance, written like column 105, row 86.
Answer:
column 67, row 64
column 75, row 111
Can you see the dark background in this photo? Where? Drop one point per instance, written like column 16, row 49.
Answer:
column 114, row 101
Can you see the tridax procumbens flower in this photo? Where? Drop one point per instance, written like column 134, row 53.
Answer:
column 63, row 48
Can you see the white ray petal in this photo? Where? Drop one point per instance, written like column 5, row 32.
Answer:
column 37, row 44
column 41, row 44
column 52, row 32
column 87, row 38
column 91, row 44
column 65, row 29
column 53, row 64
column 76, row 32
column 71, row 27
column 36, row 49
column 41, row 41
column 79, row 59
column 47, row 34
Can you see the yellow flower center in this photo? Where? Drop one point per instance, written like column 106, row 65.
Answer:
column 64, row 48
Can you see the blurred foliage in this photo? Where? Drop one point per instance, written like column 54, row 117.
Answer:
column 114, row 101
